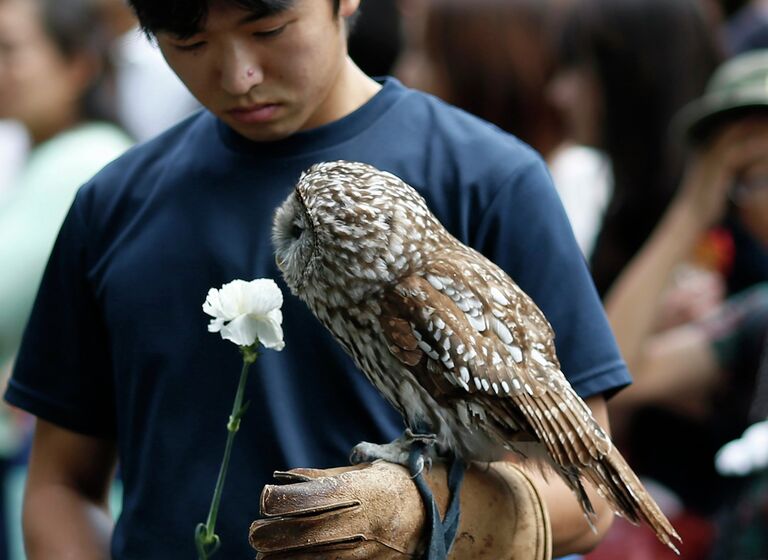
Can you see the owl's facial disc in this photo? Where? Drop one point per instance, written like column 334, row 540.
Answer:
column 293, row 241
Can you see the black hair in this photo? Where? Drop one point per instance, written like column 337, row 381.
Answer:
column 651, row 57
column 184, row 18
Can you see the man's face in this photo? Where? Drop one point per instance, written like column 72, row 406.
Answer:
column 268, row 77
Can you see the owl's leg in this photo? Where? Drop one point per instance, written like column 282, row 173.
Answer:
column 398, row 451
column 440, row 532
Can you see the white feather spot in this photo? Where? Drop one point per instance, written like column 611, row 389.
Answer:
column 536, row 355
column 463, row 304
column 435, row 281
column 528, row 389
column 478, row 383
column 495, row 387
column 464, row 372
column 505, row 386
column 501, row 330
column 517, row 353
column 477, row 322
column 486, row 385
column 498, row 297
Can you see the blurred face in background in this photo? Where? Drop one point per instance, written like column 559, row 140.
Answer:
column 575, row 91
column 39, row 86
column 750, row 197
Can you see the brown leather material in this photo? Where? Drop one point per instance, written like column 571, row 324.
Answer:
column 375, row 512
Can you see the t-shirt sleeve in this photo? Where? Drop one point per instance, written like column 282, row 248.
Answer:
column 63, row 372
column 525, row 231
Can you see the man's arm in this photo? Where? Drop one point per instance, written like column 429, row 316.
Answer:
column 66, row 511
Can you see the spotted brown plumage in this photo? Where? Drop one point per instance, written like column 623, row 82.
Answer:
column 445, row 334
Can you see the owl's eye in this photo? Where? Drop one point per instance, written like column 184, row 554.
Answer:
column 296, row 231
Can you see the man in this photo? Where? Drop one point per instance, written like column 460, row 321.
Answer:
column 116, row 362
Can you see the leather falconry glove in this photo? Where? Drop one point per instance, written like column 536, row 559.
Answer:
column 374, row 511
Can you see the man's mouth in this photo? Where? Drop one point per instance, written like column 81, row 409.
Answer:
column 254, row 114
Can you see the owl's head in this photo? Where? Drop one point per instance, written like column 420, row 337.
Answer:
column 347, row 229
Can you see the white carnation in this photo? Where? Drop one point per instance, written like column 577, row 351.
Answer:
column 244, row 312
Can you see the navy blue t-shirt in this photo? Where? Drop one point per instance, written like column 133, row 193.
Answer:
column 117, row 344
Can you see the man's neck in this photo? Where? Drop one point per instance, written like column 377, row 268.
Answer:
column 352, row 89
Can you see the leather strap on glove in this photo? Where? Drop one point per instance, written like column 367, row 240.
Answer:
column 375, row 512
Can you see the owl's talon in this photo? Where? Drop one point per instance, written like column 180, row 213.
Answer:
column 421, row 463
column 365, row 452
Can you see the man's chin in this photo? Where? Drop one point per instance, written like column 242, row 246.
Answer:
column 263, row 132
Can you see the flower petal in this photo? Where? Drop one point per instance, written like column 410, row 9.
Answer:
column 212, row 304
column 262, row 296
column 241, row 330
column 270, row 333
column 215, row 325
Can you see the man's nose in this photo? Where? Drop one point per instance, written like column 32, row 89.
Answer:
column 241, row 71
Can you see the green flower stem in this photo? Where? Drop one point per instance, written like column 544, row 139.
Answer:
column 206, row 540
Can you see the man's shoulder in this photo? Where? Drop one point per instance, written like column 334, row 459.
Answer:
column 127, row 183
column 467, row 137
column 457, row 125
column 460, row 148
column 146, row 160
column 185, row 135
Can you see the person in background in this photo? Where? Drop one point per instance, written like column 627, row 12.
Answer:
column 50, row 68
column 146, row 96
column 491, row 58
column 695, row 382
column 494, row 59
column 625, row 67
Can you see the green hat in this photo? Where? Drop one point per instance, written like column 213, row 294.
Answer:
column 738, row 86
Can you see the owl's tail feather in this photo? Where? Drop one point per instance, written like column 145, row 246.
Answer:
column 616, row 482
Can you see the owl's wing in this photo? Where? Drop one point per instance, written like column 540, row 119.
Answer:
column 468, row 333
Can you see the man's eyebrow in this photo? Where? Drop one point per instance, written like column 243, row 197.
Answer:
column 267, row 11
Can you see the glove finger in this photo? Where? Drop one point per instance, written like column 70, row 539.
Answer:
column 297, row 475
column 306, row 474
column 300, row 533
column 318, row 495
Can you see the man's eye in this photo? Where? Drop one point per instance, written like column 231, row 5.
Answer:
column 190, row 47
column 270, row 32
column 296, row 231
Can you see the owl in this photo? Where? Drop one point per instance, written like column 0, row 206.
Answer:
column 443, row 333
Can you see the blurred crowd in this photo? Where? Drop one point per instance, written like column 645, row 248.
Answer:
column 653, row 118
